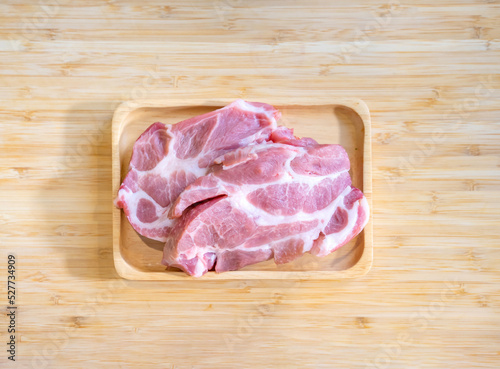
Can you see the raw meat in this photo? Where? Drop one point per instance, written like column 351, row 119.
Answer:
column 278, row 200
column 167, row 158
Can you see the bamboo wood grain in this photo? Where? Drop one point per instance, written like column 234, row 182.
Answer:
column 435, row 278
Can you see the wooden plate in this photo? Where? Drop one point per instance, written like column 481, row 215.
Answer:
column 343, row 121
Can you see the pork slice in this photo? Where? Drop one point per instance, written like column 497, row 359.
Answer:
column 269, row 200
column 167, row 158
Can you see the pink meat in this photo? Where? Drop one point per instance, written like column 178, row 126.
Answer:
column 268, row 200
column 167, row 158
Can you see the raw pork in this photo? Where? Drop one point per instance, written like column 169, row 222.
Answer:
column 278, row 200
column 167, row 158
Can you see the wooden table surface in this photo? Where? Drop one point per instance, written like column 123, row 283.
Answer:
column 430, row 74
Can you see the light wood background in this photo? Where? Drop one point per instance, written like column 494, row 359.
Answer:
column 430, row 73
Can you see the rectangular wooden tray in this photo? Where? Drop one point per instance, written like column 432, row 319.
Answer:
column 343, row 121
